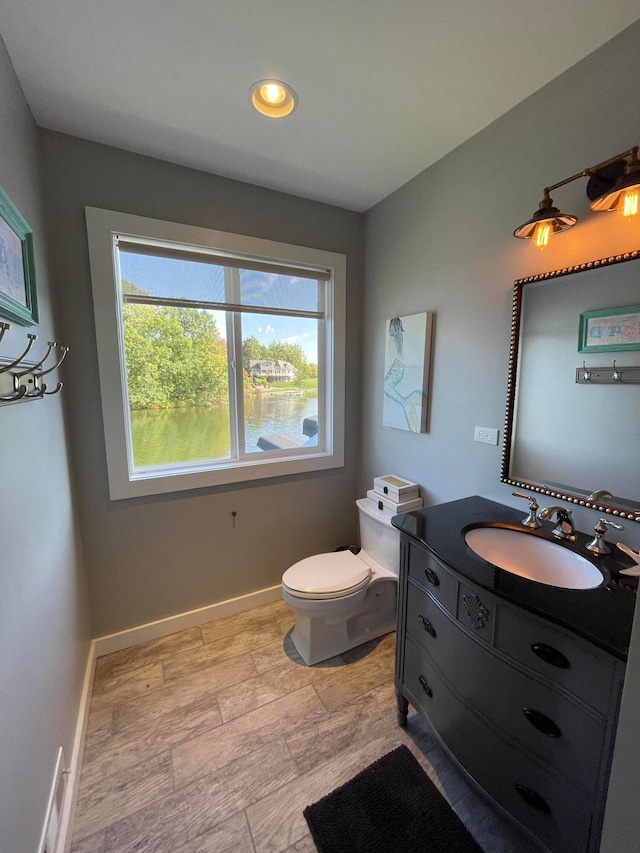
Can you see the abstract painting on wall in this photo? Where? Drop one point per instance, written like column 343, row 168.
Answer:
column 406, row 372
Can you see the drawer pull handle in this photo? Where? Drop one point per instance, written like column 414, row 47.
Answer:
column 428, row 627
column 432, row 577
column 533, row 799
column 550, row 655
column 539, row 721
column 425, row 686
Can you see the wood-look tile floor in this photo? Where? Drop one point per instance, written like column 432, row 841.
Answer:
column 213, row 740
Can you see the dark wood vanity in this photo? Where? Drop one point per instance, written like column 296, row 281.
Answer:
column 520, row 681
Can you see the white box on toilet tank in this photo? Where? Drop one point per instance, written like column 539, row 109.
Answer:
column 390, row 507
column 396, row 488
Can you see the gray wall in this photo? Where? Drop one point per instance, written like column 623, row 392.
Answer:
column 152, row 557
column 443, row 243
column 44, row 626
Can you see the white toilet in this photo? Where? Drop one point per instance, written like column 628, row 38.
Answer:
column 342, row 599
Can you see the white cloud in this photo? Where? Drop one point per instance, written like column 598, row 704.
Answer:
column 295, row 338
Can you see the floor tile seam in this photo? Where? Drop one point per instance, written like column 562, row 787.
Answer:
column 153, row 752
column 100, row 692
column 278, row 736
column 140, row 665
column 301, row 769
column 200, row 777
column 267, row 704
column 259, row 624
column 176, row 680
column 382, row 678
column 253, row 840
column 184, row 710
column 327, row 710
column 355, row 702
column 131, row 815
column 83, row 797
column 208, row 664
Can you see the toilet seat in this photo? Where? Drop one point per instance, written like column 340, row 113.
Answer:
column 326, row 576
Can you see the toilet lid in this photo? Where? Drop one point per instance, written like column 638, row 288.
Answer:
column 327, row 575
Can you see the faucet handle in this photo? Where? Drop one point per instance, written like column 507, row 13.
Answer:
column 532, row 519
column 597, row 545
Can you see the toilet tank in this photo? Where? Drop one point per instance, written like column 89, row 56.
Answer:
column 378, row 537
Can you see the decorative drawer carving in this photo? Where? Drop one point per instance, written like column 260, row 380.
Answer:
column 477, row 614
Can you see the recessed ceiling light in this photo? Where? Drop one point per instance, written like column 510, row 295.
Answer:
column 273, row 98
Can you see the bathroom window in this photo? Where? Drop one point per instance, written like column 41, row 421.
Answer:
column 221, row 356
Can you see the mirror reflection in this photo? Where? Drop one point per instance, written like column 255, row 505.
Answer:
column 573, row 418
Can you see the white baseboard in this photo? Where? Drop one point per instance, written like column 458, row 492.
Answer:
column 67, row 812
column 171, row 624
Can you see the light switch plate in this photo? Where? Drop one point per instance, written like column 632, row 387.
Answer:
column 486, row 435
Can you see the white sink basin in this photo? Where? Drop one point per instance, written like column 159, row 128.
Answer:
column 533, row 558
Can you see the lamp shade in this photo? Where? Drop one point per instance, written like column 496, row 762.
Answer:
column 623, row 195
column 547, row 220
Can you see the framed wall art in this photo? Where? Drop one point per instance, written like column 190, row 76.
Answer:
column 610, row 330
column 18, row 298
column 406, row 372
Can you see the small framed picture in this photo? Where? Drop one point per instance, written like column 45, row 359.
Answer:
column 611, row 330
column 18, row 298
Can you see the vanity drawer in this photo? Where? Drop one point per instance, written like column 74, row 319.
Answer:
column 557, row 656
column 559, row 731
column 537, row 798
column 432, row 575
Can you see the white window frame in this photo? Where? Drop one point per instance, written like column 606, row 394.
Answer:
column 103, row 226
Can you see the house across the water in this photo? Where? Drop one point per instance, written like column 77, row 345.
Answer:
column 272, row 371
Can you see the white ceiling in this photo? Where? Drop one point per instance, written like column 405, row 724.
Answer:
column 386, row 87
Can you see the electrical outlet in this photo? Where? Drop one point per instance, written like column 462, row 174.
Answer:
column 486, row 435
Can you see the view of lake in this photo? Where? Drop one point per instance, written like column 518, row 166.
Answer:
column 170, row 436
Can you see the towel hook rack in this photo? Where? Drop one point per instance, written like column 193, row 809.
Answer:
column 17, row 374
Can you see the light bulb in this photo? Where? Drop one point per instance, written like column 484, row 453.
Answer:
column 273, row 93
column 629, row 205
column 273, row 98
column 541, row 234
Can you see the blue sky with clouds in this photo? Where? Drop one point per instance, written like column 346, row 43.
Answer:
column 204, row 281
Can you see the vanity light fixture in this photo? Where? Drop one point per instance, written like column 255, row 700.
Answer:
column 273, row 98
column 619, row 191
column 623, row 195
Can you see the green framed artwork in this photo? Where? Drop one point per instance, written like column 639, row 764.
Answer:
column 611, row 330
column 18, row 298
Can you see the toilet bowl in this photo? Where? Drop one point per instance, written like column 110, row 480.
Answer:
column 341, row 599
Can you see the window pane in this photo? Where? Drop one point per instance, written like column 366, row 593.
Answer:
column 280, row 359
column 273, row 290
column 176, row 367
column 145, row 274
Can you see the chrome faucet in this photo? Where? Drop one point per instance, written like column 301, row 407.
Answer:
column 564, row 528
column 532, row 519
column 597, row 545
column 600, row 495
